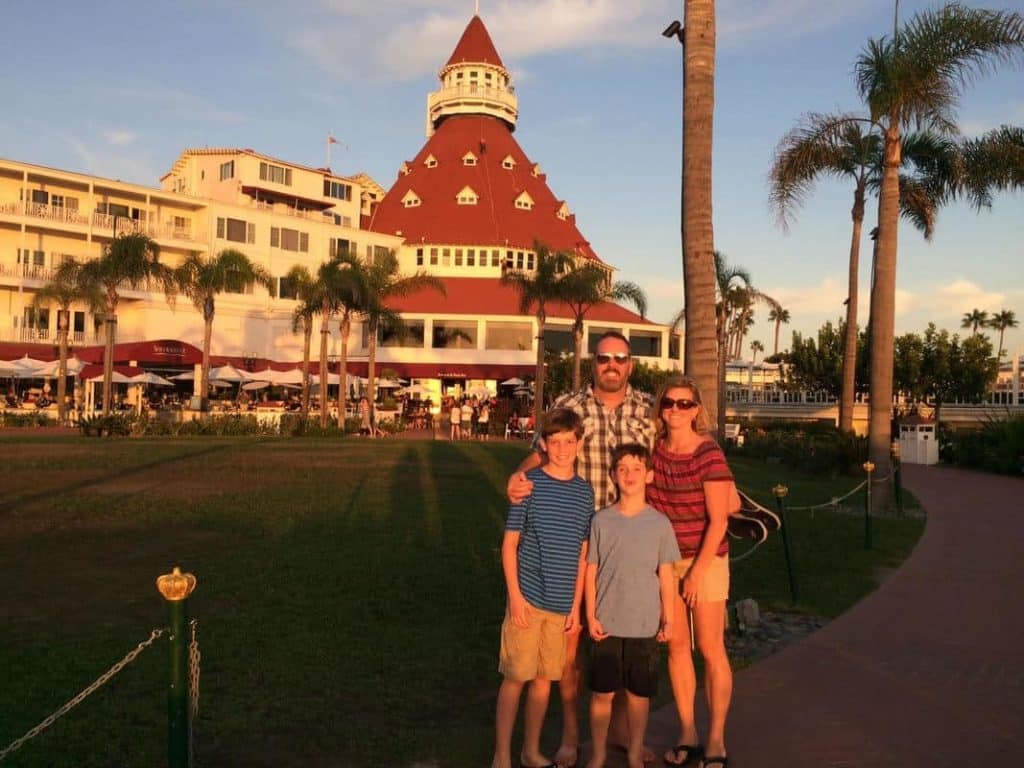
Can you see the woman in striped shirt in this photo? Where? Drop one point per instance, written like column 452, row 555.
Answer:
column 692, row 487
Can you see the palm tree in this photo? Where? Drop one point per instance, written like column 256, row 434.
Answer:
column 383, row 283
column 304, row 288
column 778, row 316
column 976, row 318
column 131, row 260
column 846, row 146
column 755, row 347
column 63, row 289
column 698, row 236
column 535, row 291
column 201, row 278
column 340, row 288
column 916, row 77
column 991, row 162
column 1000, row 321
column 583, row 288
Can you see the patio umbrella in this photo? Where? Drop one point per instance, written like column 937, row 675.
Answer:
column 388, row 384
column 151, row 378
column 186, row 376
column 229, row 373
column 51, row 369
column 255, row 385
column 513, row 382
column 116, row 377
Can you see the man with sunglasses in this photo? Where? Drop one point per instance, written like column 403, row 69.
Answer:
column 613, row 414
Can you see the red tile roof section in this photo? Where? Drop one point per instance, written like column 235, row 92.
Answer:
column 494, row 220
column 477, row 296
column 475, row 45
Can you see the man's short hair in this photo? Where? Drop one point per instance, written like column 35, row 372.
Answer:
column 562, row 420
column 611, row 335
column 637, row 450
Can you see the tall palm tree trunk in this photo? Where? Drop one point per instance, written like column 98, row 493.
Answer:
column 577, row 342
column 538, row 382
column 343, row 329
column 999, row 349
column 778, row 326
column 110, row 329
column 701, row 353
column 850, row 337
column 325, row 333
column 883, row 303
column 204, row 375
column 62, row 371
column 307, row 343
column 371, row 376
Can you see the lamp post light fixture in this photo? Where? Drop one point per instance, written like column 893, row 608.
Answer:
column 675, row 29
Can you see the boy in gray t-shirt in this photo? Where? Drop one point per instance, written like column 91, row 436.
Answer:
column 629, row 590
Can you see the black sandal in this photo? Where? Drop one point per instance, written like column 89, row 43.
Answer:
column 721, row 760
column 694, row 753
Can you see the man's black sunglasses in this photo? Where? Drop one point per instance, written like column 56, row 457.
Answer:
column 603, row 358
column 682, row 404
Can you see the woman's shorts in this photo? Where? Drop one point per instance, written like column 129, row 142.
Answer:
column 537, row 651
column 715, row 586
column 625, row 662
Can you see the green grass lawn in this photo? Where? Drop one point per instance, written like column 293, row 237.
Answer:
column 349, row 594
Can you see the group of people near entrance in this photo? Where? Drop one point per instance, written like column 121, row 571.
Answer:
column 616, row 530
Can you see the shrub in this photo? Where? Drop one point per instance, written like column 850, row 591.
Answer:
column 8, row 419
column 998, row 446
column 114, row 425
column 812, row 447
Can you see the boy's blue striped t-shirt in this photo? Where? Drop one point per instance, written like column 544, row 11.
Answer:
column 553, row 522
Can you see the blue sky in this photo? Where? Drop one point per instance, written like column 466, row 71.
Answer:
column 118, row 89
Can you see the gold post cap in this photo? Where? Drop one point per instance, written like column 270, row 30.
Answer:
column 176, row 585
column 869, row 467
column 780, row 491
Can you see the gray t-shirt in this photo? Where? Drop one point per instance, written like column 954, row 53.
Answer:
column 627, row 551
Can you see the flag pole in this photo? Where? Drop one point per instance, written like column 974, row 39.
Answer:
column 328, row 151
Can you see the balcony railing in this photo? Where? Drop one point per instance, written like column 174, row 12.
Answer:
column 32, row 271
column 101, row 221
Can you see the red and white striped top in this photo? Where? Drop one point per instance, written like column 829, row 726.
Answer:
column 678, row 491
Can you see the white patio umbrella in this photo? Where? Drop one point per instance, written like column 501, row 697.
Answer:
column 23, row 368
column 513, row 382
column 388, row 384
column 116, row 377
column 252, row 385
column 186, row 376
column 151, row 378
column 229, row 373
column 294, row 376
column 52, row 368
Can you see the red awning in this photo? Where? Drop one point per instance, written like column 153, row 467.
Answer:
column 447, row 370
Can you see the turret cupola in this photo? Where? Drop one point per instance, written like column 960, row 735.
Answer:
column 473, row 82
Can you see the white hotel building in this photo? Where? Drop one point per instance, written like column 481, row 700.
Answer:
column 469, row 204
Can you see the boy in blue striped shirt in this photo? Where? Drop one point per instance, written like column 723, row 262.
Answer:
column 543, row 555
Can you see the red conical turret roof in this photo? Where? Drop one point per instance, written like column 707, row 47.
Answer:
column 499, row 175
column 475, row 45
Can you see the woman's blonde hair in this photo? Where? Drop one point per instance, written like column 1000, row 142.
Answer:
column 700, row 418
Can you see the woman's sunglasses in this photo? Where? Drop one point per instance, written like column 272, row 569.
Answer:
column 667, row 403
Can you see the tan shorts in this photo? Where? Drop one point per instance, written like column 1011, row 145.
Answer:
column 537, row 651
column 715, row 587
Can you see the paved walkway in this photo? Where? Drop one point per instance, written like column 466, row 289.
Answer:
column 926, row 671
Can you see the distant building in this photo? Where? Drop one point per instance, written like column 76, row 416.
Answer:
column 467, row 206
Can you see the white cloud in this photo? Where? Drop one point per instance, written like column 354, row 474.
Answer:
column 406, row 39
column 962, row 295
column 120, row 138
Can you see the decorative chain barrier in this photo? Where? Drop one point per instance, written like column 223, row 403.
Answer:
column 834, row 502
column 193, row 689
column 74, row 702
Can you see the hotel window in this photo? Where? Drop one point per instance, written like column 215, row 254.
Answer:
column 467, row 196
column 487, row 76
column 495, row 258
column 449, row 334
column 645, row 344
column 433, row 257
column 64, row 201
column 232, row 287
column 508, row 163
column 78, row 323
column 469, row 159
column 227, row 170
column 40, row 197
column 519, row 260
column 289, row 239
column 419, row 257
column 410, row 199
column 337, row 190
column 509, row 336
column 529, row 262
column 430, row 162
column 410, row 334
column 446, row 257
column 380, row 252
column 35, row 258
column 338, row 246
column 286, row 289
column 277, row 174
column 236, row 230
column 471, row 257
column 458, row 257
column 115, row 209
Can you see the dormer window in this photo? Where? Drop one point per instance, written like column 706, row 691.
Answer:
column 524, row 202
column 536, row 170
column 467, row 196
column 430, row 162
column 508, row 163
column 411, row 200
column 469, row 159
column 563, row 212
column 405, row 170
